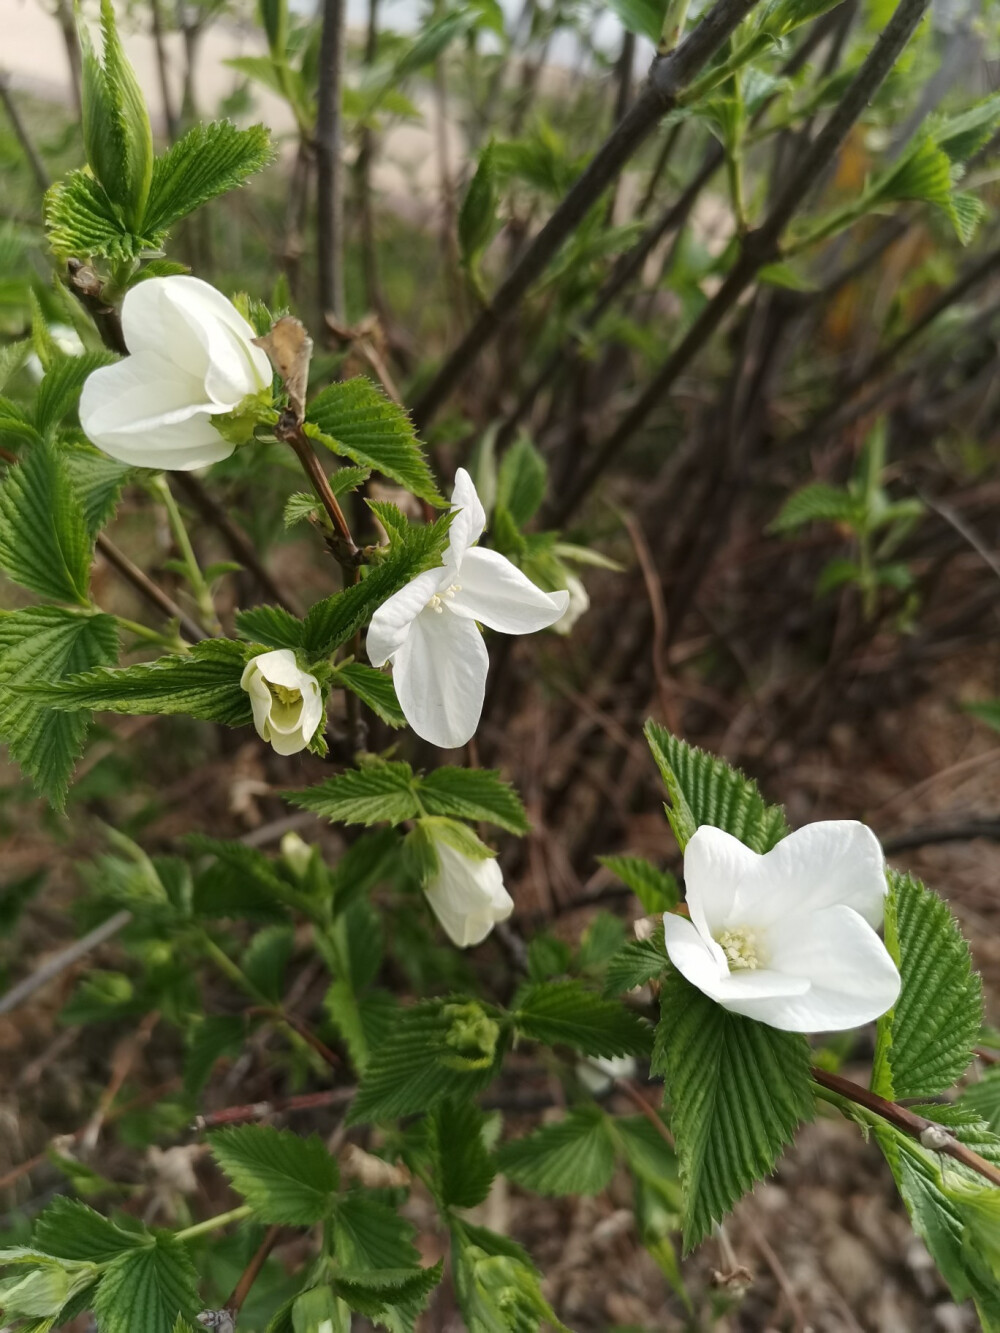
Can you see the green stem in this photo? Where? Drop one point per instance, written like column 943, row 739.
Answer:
column 214, row 1223
column 173, row 643
column 196, row 579
column 673, row 25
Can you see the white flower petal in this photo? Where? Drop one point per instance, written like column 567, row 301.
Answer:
column 498, row 595
column 440, row 678
column 145, row 412
column 467, row 896
column 279, row 667
column 852, row 979
column 578, row 604
column 391, row 623
column 695, row 957
column 817, row 866
column 714, row 864
column 469, row 521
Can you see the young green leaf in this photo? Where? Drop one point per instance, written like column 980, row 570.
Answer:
column 738, row 1091
column 357, row 421
column 477, row 794
column 378, row 793
column 204, row 683
column 44, row 542
column 925, row 1041
column 286, row 1180
column 521, row 481
column 208, row 161
column 575, row 1156
column 818, row 503
column 477, row 216
column 563, row 1013
column 705, row 790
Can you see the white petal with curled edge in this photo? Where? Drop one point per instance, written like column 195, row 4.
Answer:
column 714, row 864
column 819, row 865
column 699, row 960
column 498, row 595
column 440, row 678
column 390, row 625
column 147, row 413
column 469, row 521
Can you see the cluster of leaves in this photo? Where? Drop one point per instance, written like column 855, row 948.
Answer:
column 122, row 209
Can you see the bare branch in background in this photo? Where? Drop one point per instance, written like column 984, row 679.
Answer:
column 329, row 165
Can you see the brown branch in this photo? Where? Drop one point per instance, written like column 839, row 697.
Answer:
column 252, row 1272
column 667, row 78
column 249, row 1111
column 924, row 835
column 289, row 430
column 928, row 1133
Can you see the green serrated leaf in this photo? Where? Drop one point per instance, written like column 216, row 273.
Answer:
column 925, row 1042
column 575, row 1156
column 70, row 1230
column 465, row 1167
column 271, row 625
column 378, row 793
column 656, row 889
column 477, row 215
column 44, row 542
column 148, row 1288
column 206, row 162
column 373, row 688
column 47, row 643
column 286, row 1180
column 521, row 481
column 97, row 482
column 357, row 421
column 564, row 1013
column 204, row 683
column 477, row 794
column 635, row 964
column 738, row 1090
column 705, row 790
column 817, row 503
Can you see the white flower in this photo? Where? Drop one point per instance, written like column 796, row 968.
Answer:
column 578, row 604
column 787, row 938
column 467, row 895
column 191, row 359
column 286, row 701
column 428, row 629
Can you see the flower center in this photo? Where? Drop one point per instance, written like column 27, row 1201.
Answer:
column 437, row 602
column 741, row 948
column 284, row 694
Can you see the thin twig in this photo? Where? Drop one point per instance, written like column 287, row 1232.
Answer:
column 60, row 962
column 250, row 1111
column 928, row 1133
column 759, row 247
column 21, row 134
column 152, row 592
column 329, row 174
column 668, row 76
column 925, row 835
